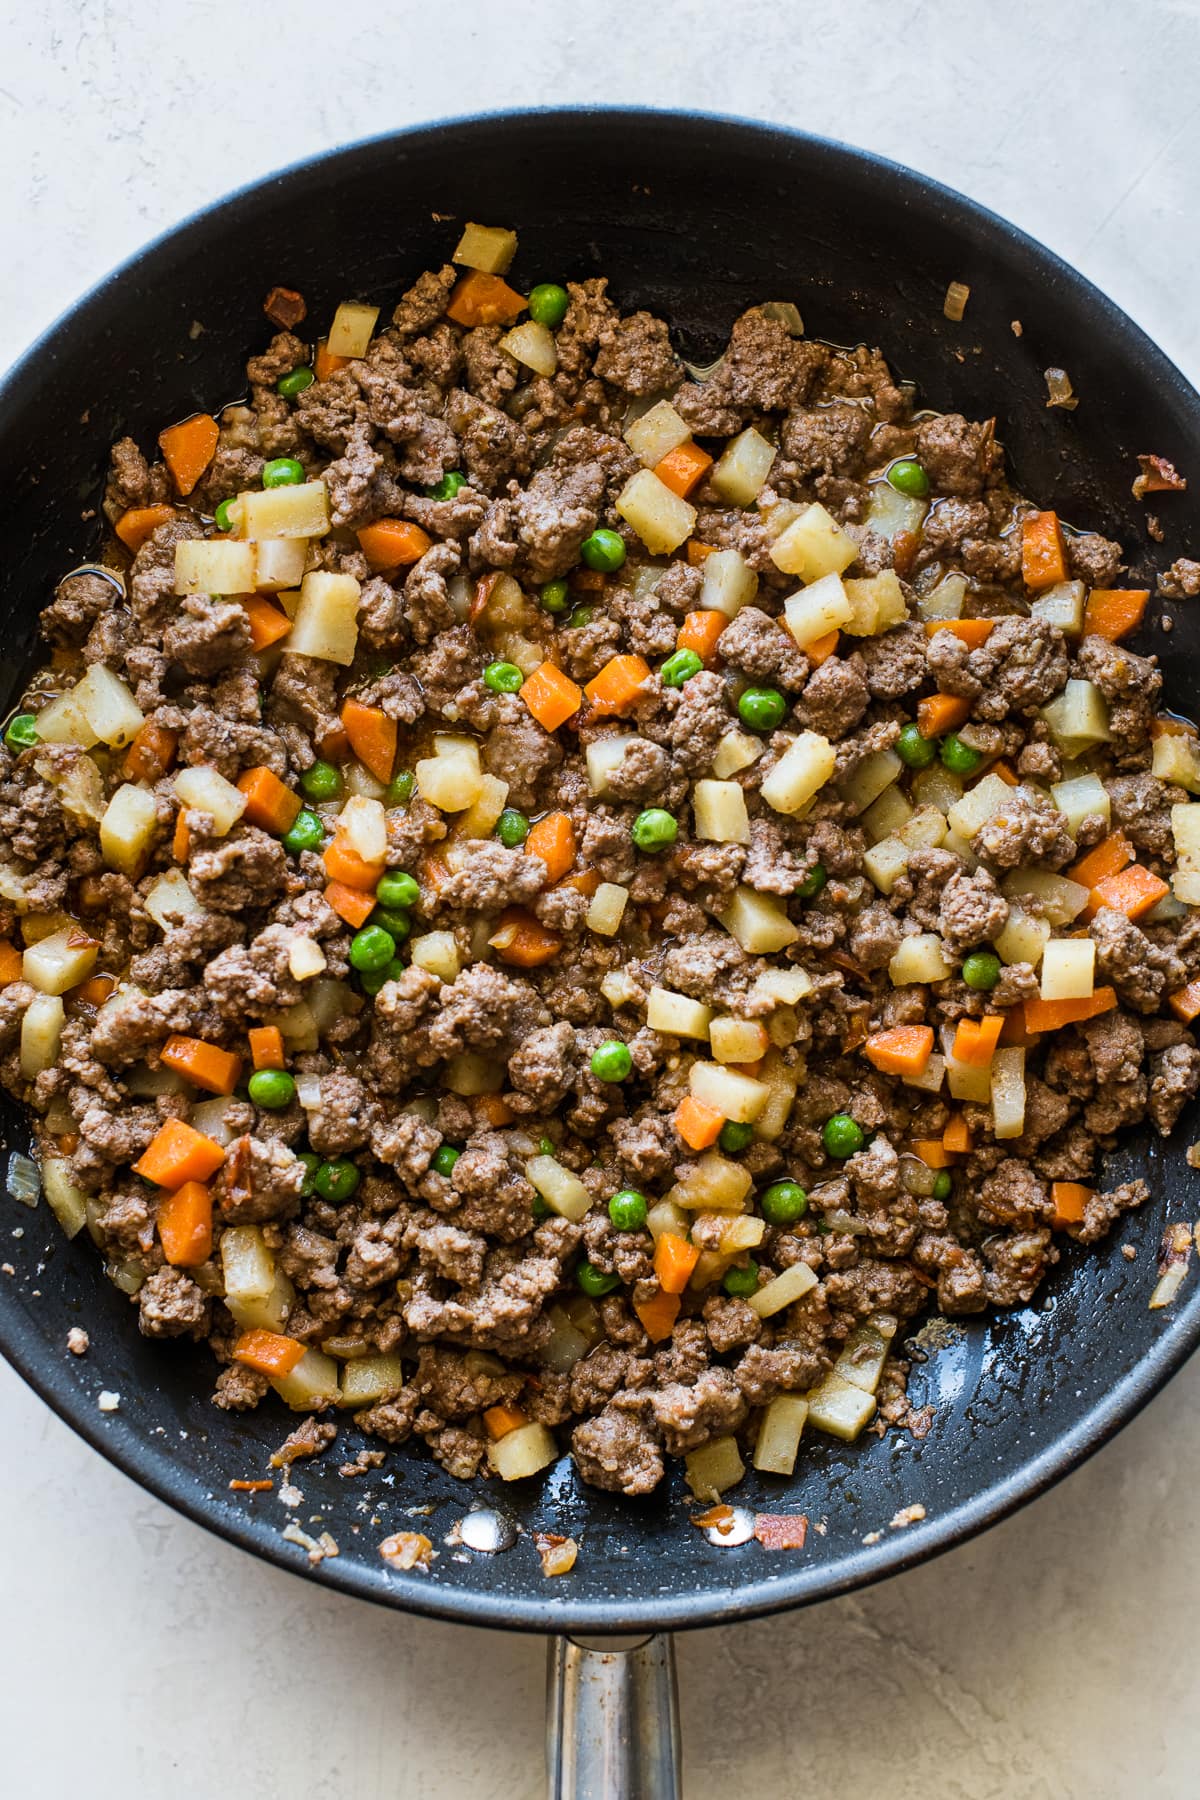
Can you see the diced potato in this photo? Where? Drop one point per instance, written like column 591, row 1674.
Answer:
column 886, row 815
column 203, row 789
column 469, row 1073
column 366, row 1379
column 268, row 1314
column 604, row 756
column 719, row 812
column 784, row 987
column 565, row 1346
column 1008, row 1093
column 1061, row 606
column 1081, row 796
column 1185, row 885
column 661, row 519
column 989, row 796
column 350, row 332
column 781, row 1081
column 267, row 514
column 127, row 828
column 306, row 958
column 436, row 952
column 889, row 512
column 523, row 1452
column 170, row 899
column 607, row 908
column 1068, row 969
column 533, row 345
column 865, row 1352
column 247, row 1264
column 759, row 922
column 1185, row 827
column 779, row 1429
column 452, row 778
column 1078, row 718
column 41, row 1029
column 63, row 721
column 729, row 583
column 620, row 989
column 279, row 562
column 1023, row 938
column 814, row 545
column 60, row 961
column 945, row 601
column 937, row 787
column 712, row 1183
column 958, row 846
column 739, row 1231
column 66, row 1201
column 1176, row 757
column 792, row 1285
column 313, row 1383
column 886, row 861
column 873, row 774
column 326, row 623
column 804, row 768
column 479, row 820
column 713, row 1469
column 737, row 1040
column 108, row 706
column 488, row 248
column 677, row 1015
column 966, row 1081
column 931, row 1077
column 926, row 829
column 666, row 1216
column 738, row 1097
column 838, row 1407
column 736, row 750
column 815, row 611
column 214, row 566
column 1061, row 900
column 876, row 604
column 562, row 1191
column 363, row 822
column 739, row 474
column 920, row 958
column 656, row 433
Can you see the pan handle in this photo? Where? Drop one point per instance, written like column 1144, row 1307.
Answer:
column 612, row 1719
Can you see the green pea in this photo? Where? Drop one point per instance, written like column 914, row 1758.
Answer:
column 628, row 1210
column 581, row 616
column 222, row 518
column 22, row 732
column 555, row 596
column 311, row 1164
column 338, row 1180
column 915, row 751
column 372, row 948
column 545, row 1146
column 594, row 1281
column 680, row 668
column 958, row 757
column 371, row 980
column 611, row 1060
column 397, row 924
column 503, row 678
column 604, row 550
column 307, row 832
column 321, row 782
column 813, row 882
column 739, row 1283
column 842, row 1136
column 548, row 304
column 783, row 1203
column 448, row 486
column 294, row 383
column 735, row 1136
column 761, row 708
column 400, row 788
column 272, row 1089
column 981, row 970
column 282, row 471
column 908, row 477
column 397, row 889
column 539, row 1208
column 512, row 828
column 654, row 830
column 943, row 1185
column 444, row 1159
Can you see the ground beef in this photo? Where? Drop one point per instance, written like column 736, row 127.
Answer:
column 957, row 454
column 762, row 649
column 171, row 1305
column 835, row 697
column 972, row 910
column 1182, row 580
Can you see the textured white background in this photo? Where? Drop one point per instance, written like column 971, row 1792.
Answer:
column 1053, row 1658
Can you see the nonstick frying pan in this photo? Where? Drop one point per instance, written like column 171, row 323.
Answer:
column 695, row 218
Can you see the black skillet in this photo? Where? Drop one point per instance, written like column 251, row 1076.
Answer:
column 695, row 218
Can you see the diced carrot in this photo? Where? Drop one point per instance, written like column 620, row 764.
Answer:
column 680, row 469
column 700, row 631
column 185, row 1225
column 95, row 990
column 932, row 1152
column 1134, row 892
column 344, row 864
column 270, row 804
column 68, row 1142
column 268, row 623
column 134, row 527
column 940, row 713
column 904, row 1050
column 1113, row 613
column 1043, row 553
column 285, row 307
column 976, row 1039
column 956, row 1139
column 698, row 1125
column 971, row 632
column 1014, row 1035
column 181, row 841
column 1051, row 1015
column 553, row 839
column 1185, row 1003
column 618, row 687
column 822, row 648
column 433, row 872
column 151, row 753
column 266, row 1047
column 698, row 553
column 354, row 905
column 674, row 1260
column 551, row 696
column 393, row 543
column 179, row 1153
column 500, row 1420
column 333, row 744
column 522, row 940
column 905, row 545
column 480, row 299
column 326, row 362
column 372, row 737
column 1070, row 1201
column 658, row 1315
column 11, row 964
column 206, row 1066
column 267, row 1352
column 587, row 581
column 781, row 1531
column 1165, row 725
column 1105, row 859
column 188, row 449
column 496, row 1111
column 586, row 881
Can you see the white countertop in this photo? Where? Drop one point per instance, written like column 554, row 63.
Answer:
column 1051, row 1659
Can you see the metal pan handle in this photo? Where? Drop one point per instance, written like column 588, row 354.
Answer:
column 612, row 1719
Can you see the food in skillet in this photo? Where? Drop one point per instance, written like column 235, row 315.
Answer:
column 554, row 901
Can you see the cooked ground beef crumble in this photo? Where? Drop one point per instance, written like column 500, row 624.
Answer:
column 730, row 750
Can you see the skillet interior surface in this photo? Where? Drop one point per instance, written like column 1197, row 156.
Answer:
column 694, row 218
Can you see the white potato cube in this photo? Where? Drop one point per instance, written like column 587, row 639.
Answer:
column 931, row 1077
column 562, row 1191
column 108, row 706
column 778, row 1441
column 170, row 899
column 1185, row 827
column 60, row 961
column 719, row 812
column 926, row 829
column 452, row 778
column 980, row 803
column 781, row 1082
column 1185, row 885
column 873, row 774
column 759, row 922
column 815, row 611
column 279, row 562
column 813, row 545
column 41, row 1031
column 305, row 958
column 214, row 566
column 785, row 1289
column 656, row 433
column 784, row 987
column 945, row 601
column 66, row 1201
column 479, row 820
column 313, row 1383
column 63, row 721
column 607, row 908
column 920, row 958
column 266, row 514
column 889, row 512
column 470, row 1073
column 887, row 814
column 739, row 474
column 1081, row 796
column 714, row 1468
column 865, row 1352
column 604, row 756
column 886, row 861
column 247, row 1264
column 1068, row 969
column 1176, row 757
column 362, row 821
column 326, row 622
column 839, row 1408
column 488, row 248
column 712, row 1183
column 523, row 1452
column 735, row 1096
column 661, row 519
column 736, row 750
column 966, row 1081
column 366, row 1379
column 1008, row 1093
column 737, row 1040
column 729, row 583
column 666, row 1216
column 127, row 828
column 1023, row 938
column 350, row 332
column 937, row 787
column 1060, row 900
column 1061, row 606
column 804, row 768
column 436, row 952
column 203, row 789
column 677, row 1014
column 1078, row 718
column 533, row 345
column 876, row 604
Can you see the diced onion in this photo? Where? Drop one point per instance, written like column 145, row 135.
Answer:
column 955, row 303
